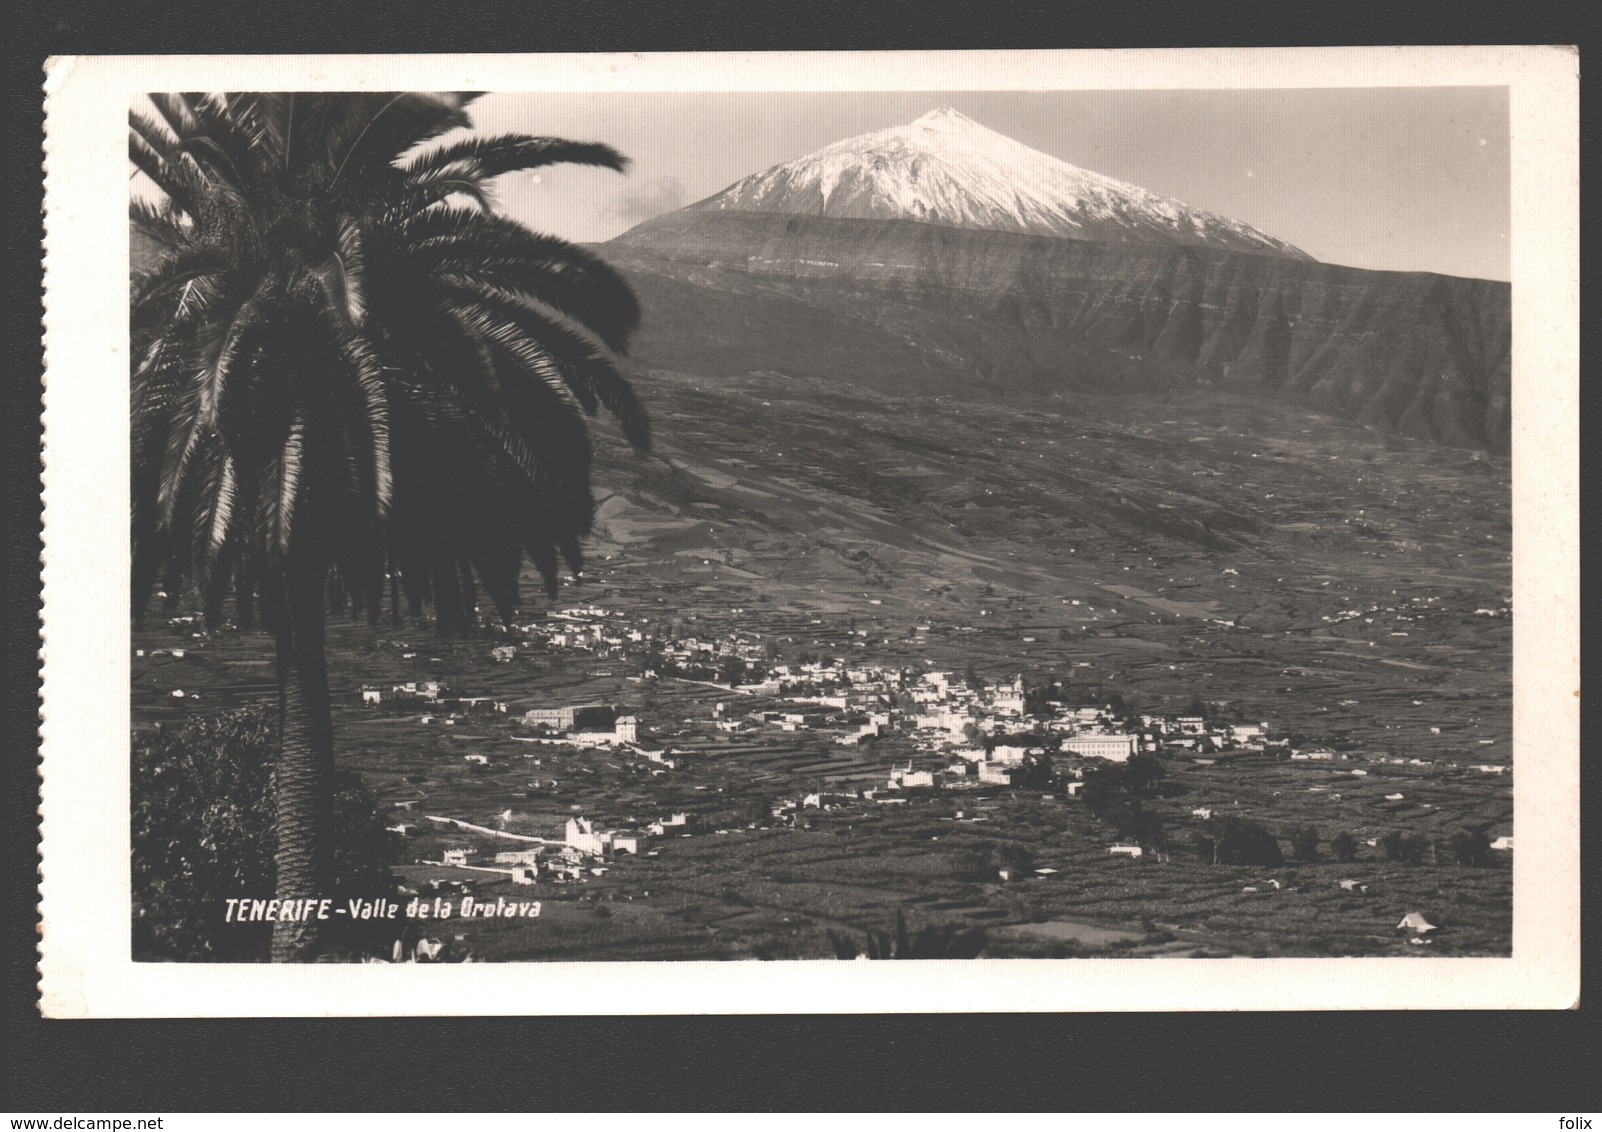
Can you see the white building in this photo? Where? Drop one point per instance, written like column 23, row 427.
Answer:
column 581, row 835
column 908, row 778
column 519, row 856
column 995, row 773
column 557, row 719
column 1009, row 698
column 1093, row 745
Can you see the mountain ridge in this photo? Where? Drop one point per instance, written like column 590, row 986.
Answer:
column 985, row 314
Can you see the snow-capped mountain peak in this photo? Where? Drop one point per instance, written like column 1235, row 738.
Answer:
column 944, row 168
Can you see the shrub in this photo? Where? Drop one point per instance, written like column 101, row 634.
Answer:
column 1012, row 855
column 202, row 797
column 1344, row 846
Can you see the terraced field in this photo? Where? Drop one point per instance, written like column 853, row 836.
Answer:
column 1349, row 588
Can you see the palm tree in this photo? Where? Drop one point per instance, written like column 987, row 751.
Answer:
column 346, row 366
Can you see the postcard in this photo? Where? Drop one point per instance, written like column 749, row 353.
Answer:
column 621, row 534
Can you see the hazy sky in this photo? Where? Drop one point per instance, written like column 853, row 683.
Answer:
column 1395, row 179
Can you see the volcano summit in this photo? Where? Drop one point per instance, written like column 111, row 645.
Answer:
column 947, row 169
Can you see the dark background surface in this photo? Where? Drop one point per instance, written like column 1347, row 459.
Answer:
column 1426, row 1061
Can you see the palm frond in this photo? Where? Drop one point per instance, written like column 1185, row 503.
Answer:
column 174, row 112
column 158, row 222
column 165, row 175
column 532, row 356
column 161, row 140
column 590, row 375
column 289, row 470
column 512, row 258
column 480, row 158
column 378, row 129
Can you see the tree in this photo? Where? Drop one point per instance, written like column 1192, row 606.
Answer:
column 731, row 670
column 1408, row 848
column 1344, row 846
column 1471, row 847
column 1141, row 771
column 1101, row 788
column 1239, row 841
column 1304, row 841
column 344, row 366
column 1037, row 773
column 1014, row 855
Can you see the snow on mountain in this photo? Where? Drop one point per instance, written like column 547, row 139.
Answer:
column 947, row 169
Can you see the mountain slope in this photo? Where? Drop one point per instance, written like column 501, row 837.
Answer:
column 1001, row 315
column 947, row 169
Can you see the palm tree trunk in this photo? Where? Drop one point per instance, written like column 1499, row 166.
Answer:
column 305, row 761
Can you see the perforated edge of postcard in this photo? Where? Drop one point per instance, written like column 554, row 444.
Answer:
column 87, row 969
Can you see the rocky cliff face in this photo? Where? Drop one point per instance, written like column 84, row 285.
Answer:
column 992, row 312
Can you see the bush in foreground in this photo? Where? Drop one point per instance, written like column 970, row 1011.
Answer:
column 949, row 941
column 203, row 803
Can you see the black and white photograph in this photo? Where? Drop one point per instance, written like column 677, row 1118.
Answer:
column 626, row 526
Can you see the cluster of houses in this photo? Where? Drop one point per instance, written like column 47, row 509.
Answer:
column 434, row 695
column 982, row 733
column 582, row 852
